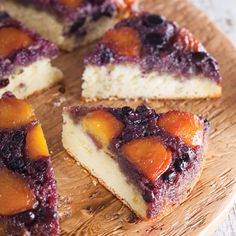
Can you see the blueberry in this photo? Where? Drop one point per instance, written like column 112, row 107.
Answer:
column 182, row 163
column 153, row 20
column 77, row 25
column 108, row 12
column 27, row 217
column 18, row 137
column 154, row 40
column 126, row 110
column 149, row 196
column 15, row 163
column 199, row 57
column 169, row 176
column 46, row 214
column 4, row 83
column 106, row 56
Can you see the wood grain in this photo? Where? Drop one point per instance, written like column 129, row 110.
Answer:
column 86, row 208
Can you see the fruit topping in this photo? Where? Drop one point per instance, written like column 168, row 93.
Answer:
column 15, row 194
column 149, row 156
column 102, row 126
column 182, row 163
column 153, row 21
column 12, row 39
column 125, row 41
column 187, row 126
column 36, row 146
column 72, row 4
column 155, row 40
column 188, row 40
column 15, row 113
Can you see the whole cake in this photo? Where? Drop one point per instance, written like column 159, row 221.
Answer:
column 25, row 59
column 150, row 161
column 150, row 57
column 70, row 23
column 28, row 198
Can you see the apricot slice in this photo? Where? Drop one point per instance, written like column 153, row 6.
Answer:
column 12, row 39
column 72, row 4
column 15, row 194
column 125, row 41
column 188, row 40
column 149, row 156
column 15, row 113
column 102, row 126
column 36, row 146
column 187, row 126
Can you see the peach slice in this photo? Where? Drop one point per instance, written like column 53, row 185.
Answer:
column 125, row 41
column 72, row 4
column 185, row 125
column 36, row 146
column 188, row 40
column 12, row 39
column 102, row 126
column 149, row 155
column 15, row 113
column 15, row 194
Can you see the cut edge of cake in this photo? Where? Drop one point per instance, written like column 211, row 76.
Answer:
column 73, row 133
column 125, row 81
column 28, row 80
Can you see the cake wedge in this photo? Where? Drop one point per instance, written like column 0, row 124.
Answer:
column 150, row 161
column 25, row 59
column 70, row 23
column 150, row 57
column 28, row 197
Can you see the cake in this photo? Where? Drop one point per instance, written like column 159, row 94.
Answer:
column 25, row 59
column 28, row 198
column 150, row 57
column 150, row 161
column 70, row 23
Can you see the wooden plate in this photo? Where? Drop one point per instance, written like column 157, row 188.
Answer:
column 86, row 208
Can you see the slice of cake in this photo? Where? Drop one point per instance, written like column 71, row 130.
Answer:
column 28, row 198
column 149, row 161
column 149, row 57
column 25, row 59
column 70, row 23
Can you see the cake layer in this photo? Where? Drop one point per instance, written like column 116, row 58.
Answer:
column 101, row 165
column 128, row 81
column 33, row 78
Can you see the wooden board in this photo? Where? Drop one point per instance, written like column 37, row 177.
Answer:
column 86, row 208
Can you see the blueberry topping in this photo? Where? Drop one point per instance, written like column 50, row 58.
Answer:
column 19, row 136
column 46, row 214
column 149, row 196
column 169, row 176
column 106, row 56
column 154, row 40
column 27, row 217
column 182, row 163
column 77, row 25
column 15, row 163
column 153, row 20
column 126, row 110
column 199, row 57
column 4, row 83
